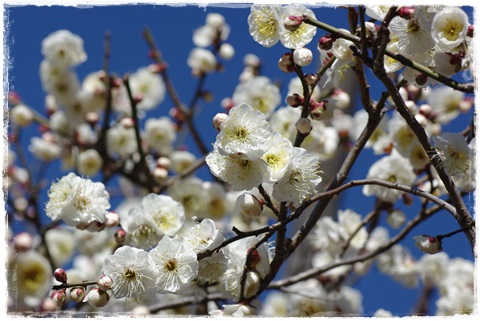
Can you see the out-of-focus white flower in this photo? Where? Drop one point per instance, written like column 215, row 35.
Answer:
column 302, row 35
column 322, row 141
column 177, row 264
column 132, row 271
column 217, row 204
column 402, row 135
column 61, row 245
column 399, row 263
column 259, row 93
column 327, row 235
column 121, row 141
column 93, row 87
column 33, row 277
column 449, row 28
column 265, row 24
column 245, row 134
column 396, row 218
column 456, row 155
column 201, row 61
column 64, row 49
column 160, row 134
column 202, row 236
column 63, row 84
column 235, row 310
column 148, row 86
column 278, row 157
column 43, row 149
column 191, row 194
column 181, row 160
column 309, row 298
column 445, row 103
column 89, row 162
column 349, row 222
column 428, row 244
column 21, row 115
column 382, row 313
column 302, row 56
column 241, row 174
column 379, row 140
column 166, row 213
column 394, row 169
column 301, row 179
column 211, row 269
column 277, row 304
column 323, row 259
column 77, row 201
column 417, row 156
column 89, row 243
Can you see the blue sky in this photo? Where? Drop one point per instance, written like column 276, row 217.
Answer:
column 172, row 29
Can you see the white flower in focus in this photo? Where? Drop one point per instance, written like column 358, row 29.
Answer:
column 149, row 86
column 249, row 205
column 177, row 265
column 278, row 157
column 302, row 56
column 265, row 24
column 413, row 39
column 302, row 35
column 245, row 134
column 121, row 141
column 341, row 50
column 202, row 236
column 33, row 277
column 132, row 271
column 166, row 213
column 77, row 201
column 449, row 28
column 89, row 162
column 43, row 149
column 63, row 48
column 392, row 65
column 21, row 115
column 259, row 93
column 160, row 134
column 201, row 61
column 300, row 181
column 394, row 169
column 456, row 155
column 241, row 174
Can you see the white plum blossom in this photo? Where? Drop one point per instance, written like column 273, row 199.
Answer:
column 148, row 86
column 428, row 244
column 201, row 61
column 349, row 222
column 202, row 236
column 259, row 93
column 249, row 205
column 160, row 134
column 234, row 310
column 63, row 84
column 455, row 153
column 449, row 28
column 21, row 115
column 64, row 49
column 445, row 103
column 177, row 265
column 89, row 162
column 413, row 39
column 132, row 271
column 301, row 179
column 302, row 35
column 265, row 24
column 394, row 169
column 278, row 157
column 181, row 160
column 167, row 214
column 121, row 141
column 216, row 204
column 211, row 269
column 327, row 235
column 241, row 174
column 77, row 201
column 61, row 245
column 142, row 231
column 244, row 134
column 377, row 12
column 192, row 195
column 43, row 149
column 93, row 87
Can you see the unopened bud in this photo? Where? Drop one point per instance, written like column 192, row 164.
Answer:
column 254, row 258
column 120, row 236
column 141, row 311
column 164, row 162
column 60, row 275
column 97, row 298
column 291, row 23
column 407, row 12
column 127, row 122
column 92, row 118
column 160, row 173
column 105, row 283
column 425, row 110
column 21, row 115
column 304, row 126
column 252, row 284
column 218, row 119
column 311, row 79
column 302, row 56
column 249, row 205
column 77, row 294
column 317, row 109
column 325, row 42
column 286, row 63
column 341, row 99
column 470, row 31
column 251, row 60
column 465, row 105
column 23, row 241
column 294, row 100
column 227, row 103
column 428, row 244
column 226, row 51
column 58, row 297
column 112, row 219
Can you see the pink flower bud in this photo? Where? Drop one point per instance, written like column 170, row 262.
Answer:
column 406, row 12
column 105, row 283
column 92, row 118
column 294, row 100
column 302, row 56
column 326, row 42
column 286, row 63
column 60, row 275
column 58, row 297
column 465, row 105
column 77, row 294
column 23, row 242
column 218, row 120
column 127, row 122
column 304, row 126
column 470, row 31
column 112, row 219
column 428, row 244
column 120, row 236
column 97, row 298
column 292, row 23
column 164, row 162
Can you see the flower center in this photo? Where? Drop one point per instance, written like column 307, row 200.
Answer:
column 451, row 29
column 171, row 265
column 265, row 22
column 129, row 274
